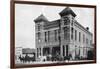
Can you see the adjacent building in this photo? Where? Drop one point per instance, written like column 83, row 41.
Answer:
column 64, row 36
column 18, row 52
column 29, row 52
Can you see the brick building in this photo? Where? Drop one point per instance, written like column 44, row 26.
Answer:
column 64, row 36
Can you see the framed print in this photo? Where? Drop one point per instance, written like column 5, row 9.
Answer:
column 52, row 34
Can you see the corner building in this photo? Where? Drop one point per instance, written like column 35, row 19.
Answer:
column 64, row 36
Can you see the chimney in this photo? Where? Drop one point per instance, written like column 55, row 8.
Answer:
column 87, row 28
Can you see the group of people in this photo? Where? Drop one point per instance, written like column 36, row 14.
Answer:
column 26, row 58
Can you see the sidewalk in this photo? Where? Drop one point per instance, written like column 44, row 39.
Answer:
column 50, row 62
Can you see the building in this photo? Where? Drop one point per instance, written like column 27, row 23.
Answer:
column 64, row 36
column 18, row 52
column 28, row 51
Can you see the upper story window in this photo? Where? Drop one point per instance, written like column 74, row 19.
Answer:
column 39, row 27
column 66, row 33
column 75, row 34
column 40, row 51
column 55, row 33
column 39, row 36
column 66, row 29
column 66, row 21
column 48, row 36
column 86, row 41
column 45, row 36
column 72, row 30
column 58, row 34
column 72, row 21
column 83, row 38
column 79, row 36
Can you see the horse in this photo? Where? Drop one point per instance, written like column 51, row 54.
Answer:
column 22, row 59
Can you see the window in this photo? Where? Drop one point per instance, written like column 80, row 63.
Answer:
column 72, row 21
column 75, row 34
column 63, row 50
column 39, row 36
column 45, row 36
column 40, row 51
column 37, row 52
column 66, row 29
column 79, row 36
column 66, row 21
column 66, row 33
column 86, row 41
column 67, row 48
column 55, row 31
column 83, row 38
column 58, row 32
column 48, row 36
column 39, row 27
column 72, row 33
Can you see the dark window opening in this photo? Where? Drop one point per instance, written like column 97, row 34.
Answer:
column 66, row 50
column 48, row 36
column 37, row 52
column 40, row 51
column 45, row 36
column 55, row 31
column 72, row 29
column 63, row 50
column 75, row 34
column 79, row 36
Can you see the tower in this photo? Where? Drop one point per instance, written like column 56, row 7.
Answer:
column 39, row 27
column 67, row 28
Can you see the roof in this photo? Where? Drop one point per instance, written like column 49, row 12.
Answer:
column 82, row 27
column 67, row 11
column 41, row 18
column 28, row 51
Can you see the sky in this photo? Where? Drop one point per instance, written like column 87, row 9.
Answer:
column 25, row 25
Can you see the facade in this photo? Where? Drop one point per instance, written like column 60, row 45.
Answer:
column 64, row 36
